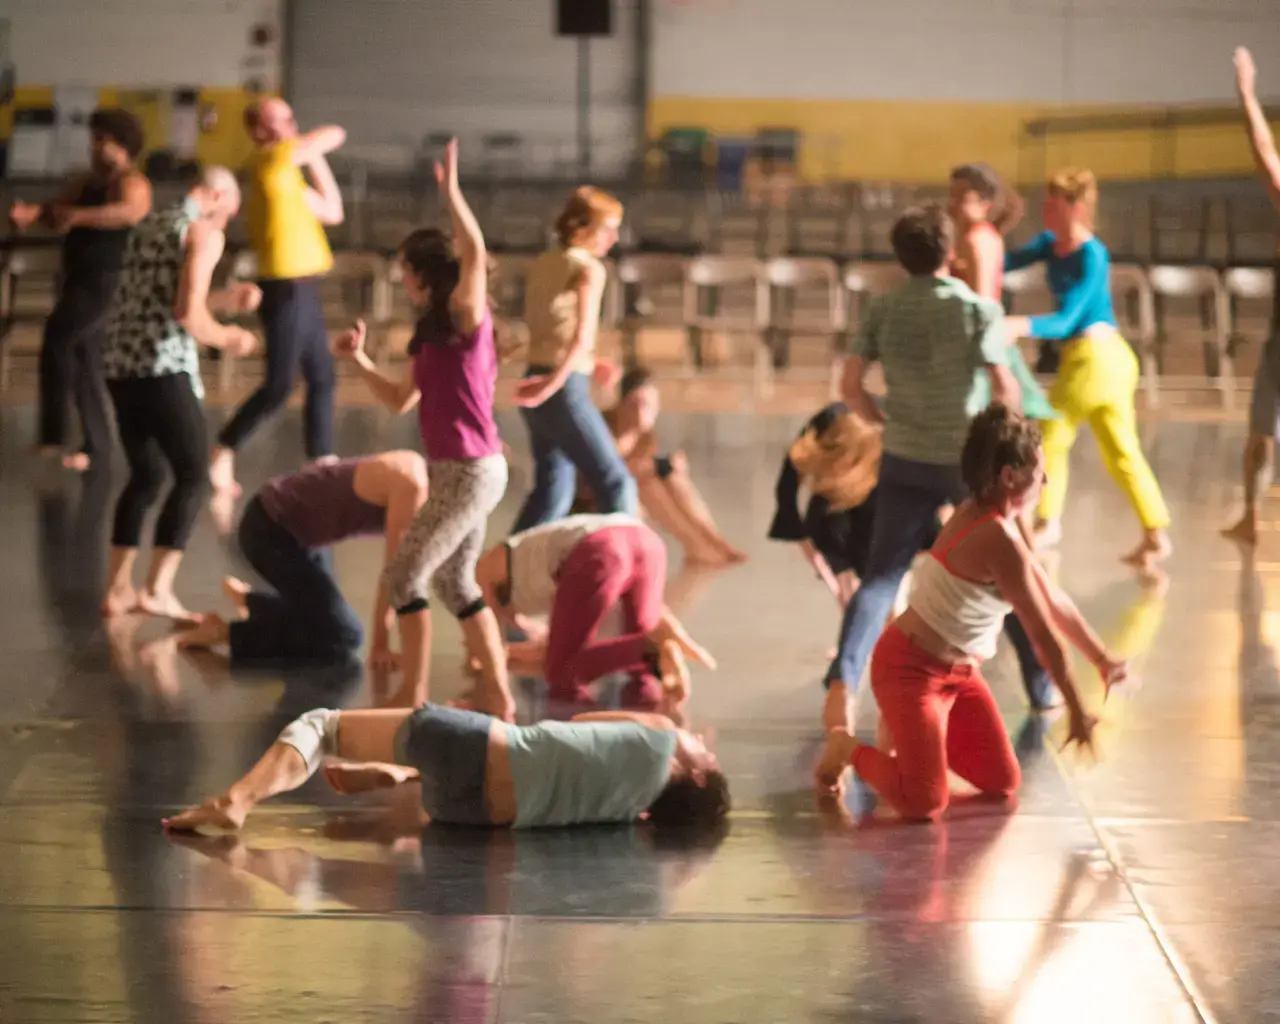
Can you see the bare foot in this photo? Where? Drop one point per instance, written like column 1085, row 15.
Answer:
column 222, row 471
column 237, row 592
column 674, row 671
column 732, row 555
column 707, row 556
column 166, row 606
column 77, row 462
column 834, row 762
column 210, row 631
column 837, row 710
column 350, row 779
column 1245, row 531
column 1154, row 549
column 669, row 628
column 220, row 814
column 121, row 599
column 1048, row 534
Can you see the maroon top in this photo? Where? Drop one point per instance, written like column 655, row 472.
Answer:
column 456, row 377
column 319, row 505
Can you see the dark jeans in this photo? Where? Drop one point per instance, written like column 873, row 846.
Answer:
column 293, row 321
column 161, row 422
column 307, row 620
column 569, row 436
column 71, row 364
column 907, row 499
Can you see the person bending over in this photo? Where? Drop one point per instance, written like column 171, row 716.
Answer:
column 287, row 533
column 603, row 767
column 926, row 670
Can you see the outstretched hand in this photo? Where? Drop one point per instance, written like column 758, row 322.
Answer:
column 1080, row 730
column 533, row 391
column 1114, row 671
column 1246, row 70
column 350, row 343
column 447, row 171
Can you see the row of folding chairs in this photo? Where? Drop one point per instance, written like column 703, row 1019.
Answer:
column 759, row 306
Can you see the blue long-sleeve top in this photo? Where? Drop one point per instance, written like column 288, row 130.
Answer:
column 1080, row 281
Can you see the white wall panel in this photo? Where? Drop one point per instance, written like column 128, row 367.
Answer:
column 394, row 71
column 138, row 43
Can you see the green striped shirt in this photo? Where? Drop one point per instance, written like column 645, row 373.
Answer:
column 930, row 336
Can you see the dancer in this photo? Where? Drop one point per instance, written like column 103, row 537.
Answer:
column 930, row 336
column 838, row 455
column 607, row 766
column 1264, row 409
column 667, row 494
column 1098, row 374
column 575, row 570
column 451, row 380
column 96, row 212
column 162, row 311
column 926, row 672
column 286, row 534
column 564, row 290
column 985, row 210
column 287, row 218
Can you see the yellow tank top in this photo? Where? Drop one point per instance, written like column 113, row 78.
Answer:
column 287, row 237
column 551, row 307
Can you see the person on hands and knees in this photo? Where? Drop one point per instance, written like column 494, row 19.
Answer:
column 472, row 770
column 1264, row 410
column 451, row 381
column 926, row 669
column 286, row 534
column 162, row 312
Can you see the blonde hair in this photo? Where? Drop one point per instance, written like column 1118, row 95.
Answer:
column 583, row 214
column 1077, row 186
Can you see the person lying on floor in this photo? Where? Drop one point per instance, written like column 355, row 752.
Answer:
column 287, row 533
column 668, row 495
column 603, row 767
column 575, row 570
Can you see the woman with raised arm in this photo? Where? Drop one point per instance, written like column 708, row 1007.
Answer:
column 1264, row 409
column 451, row 380
column 564, row 292
column 1098, row 371
column 287, row 534
column 926, row 673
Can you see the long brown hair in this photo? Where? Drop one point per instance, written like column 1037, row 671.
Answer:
column 1006, row 204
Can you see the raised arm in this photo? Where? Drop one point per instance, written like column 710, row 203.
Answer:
column 204, row 245
column 1260, row 137
column 1035, row 251
column 470, row 299
column 134, row 204
column 324, row 197
column 318, row 143
column 397, row 395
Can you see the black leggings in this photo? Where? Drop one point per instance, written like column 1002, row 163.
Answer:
column 293, row 320
column 160, row 420
column 71, row 364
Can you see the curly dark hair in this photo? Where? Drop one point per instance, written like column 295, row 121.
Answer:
column 1006, row 205
column 690, row 805
column 999, row 439
column 923, row 238
column 121, row 127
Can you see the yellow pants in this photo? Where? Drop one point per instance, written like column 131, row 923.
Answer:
column 1096, row 382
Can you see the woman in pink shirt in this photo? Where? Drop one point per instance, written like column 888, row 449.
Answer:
column 451, row 380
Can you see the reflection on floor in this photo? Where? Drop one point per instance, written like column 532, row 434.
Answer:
column 1140, row 888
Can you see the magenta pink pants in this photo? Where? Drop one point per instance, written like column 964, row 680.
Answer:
column 626, row 564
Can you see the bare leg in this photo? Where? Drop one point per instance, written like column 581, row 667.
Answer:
column 222, row 470
column 415, row 655
column 484, row 636
column 352, row 778
column 157, row 596
column 237, row 592
column 1259, row 470
column 222, row 506
column 121, row 597
column 837, row 709
column 361, row 736
column 657, row 501
column 687, row 499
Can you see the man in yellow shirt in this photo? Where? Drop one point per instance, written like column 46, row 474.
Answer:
column 287, row 216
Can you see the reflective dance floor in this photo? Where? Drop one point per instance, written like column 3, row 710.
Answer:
column 1142, row 887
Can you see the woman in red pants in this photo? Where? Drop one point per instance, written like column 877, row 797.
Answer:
column 575, row 570
column 925, row 671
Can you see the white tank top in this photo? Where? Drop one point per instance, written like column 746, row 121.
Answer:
column 967, row 615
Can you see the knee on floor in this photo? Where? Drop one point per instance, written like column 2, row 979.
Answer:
column 925, row 802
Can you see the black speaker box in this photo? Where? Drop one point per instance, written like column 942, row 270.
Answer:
column 584, row 17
